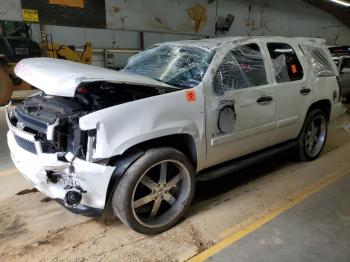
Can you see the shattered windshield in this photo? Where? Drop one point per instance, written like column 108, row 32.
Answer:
column 177, row 65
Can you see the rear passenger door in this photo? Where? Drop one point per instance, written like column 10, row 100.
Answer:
column 293, row 91
column 240, row 105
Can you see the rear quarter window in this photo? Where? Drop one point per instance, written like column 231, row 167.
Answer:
column 318, row 61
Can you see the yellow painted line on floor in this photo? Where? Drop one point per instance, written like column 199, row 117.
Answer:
column 7, row 172
column 260, row 222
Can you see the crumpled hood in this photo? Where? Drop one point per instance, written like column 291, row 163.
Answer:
column 61, row 77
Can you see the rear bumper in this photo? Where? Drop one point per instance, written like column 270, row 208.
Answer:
column 34, row 166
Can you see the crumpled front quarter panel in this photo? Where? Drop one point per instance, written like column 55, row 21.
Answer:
column 122, row 126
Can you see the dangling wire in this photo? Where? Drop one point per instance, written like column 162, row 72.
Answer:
column 72, row 182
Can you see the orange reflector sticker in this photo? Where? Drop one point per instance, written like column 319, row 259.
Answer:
column 191, row 96
column 294, row 69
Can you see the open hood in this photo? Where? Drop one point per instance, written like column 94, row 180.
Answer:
column 61, row 77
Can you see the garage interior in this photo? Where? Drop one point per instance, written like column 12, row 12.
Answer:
column 279, row 209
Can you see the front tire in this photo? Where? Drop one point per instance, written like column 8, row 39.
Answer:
column 155, row 191
column 313, row 135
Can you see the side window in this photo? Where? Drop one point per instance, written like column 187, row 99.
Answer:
column 285, row 62
column 241, row 68
column 317, row 58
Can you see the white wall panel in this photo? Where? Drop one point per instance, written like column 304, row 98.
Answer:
column 126, row 39
column 99, row 37
column 67, row 35
column 153, row 38
column 10, row 10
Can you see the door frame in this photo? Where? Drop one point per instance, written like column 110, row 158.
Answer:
column 212, row 142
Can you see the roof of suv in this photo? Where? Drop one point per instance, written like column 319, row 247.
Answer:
column 212, row 43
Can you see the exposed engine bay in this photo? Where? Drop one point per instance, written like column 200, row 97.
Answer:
column 55, row 120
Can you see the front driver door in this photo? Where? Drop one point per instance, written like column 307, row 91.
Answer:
column 240, row 106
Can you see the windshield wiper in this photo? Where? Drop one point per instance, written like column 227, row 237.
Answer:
column 172, row 85
column 178, row 86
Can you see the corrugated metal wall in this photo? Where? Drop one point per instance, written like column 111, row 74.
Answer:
column 286, row 18
column 259, row 17
column 164, row 20
column 162, row 15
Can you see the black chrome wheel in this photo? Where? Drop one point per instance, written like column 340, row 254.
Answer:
column 313, row 135
column 160, row 192
column 155, row 191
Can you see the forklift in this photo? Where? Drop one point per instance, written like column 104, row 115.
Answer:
column 16, row 44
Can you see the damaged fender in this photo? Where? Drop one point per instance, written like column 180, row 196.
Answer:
column 123, row 126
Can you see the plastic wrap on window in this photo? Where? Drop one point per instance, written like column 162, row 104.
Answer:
column 229, row 76
column 175, row 64
column 281, row 69
column 241, row 68
column 318, row 61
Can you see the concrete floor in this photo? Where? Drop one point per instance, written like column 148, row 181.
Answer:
column 318, row 229
column 5, row 159
column 34, row 228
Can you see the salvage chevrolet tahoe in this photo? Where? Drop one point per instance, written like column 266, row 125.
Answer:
column 138, row 139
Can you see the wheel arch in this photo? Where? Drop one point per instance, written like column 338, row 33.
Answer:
column 324, row 105
column 185, row 143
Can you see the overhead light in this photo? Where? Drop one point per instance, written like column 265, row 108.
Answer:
column 341, row 2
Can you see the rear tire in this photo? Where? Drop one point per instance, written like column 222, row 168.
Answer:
column 313, row 135
column 6, row 88
column 155, row 191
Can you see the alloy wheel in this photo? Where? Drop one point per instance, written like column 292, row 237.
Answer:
column 161, row 193
column 315, row 136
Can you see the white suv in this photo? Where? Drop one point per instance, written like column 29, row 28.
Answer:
column 139, row 138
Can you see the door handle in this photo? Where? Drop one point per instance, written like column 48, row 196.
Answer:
column 305, row 91
column 264, row 100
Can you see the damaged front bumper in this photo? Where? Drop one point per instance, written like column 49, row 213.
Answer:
column 38, row 167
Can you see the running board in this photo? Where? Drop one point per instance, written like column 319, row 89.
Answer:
column 235, row 165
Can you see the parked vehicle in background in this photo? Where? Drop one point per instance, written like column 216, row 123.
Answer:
column 341, row 57
column 343, row 65
column 179, row 112
column 340, row 50
column 16, row 44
